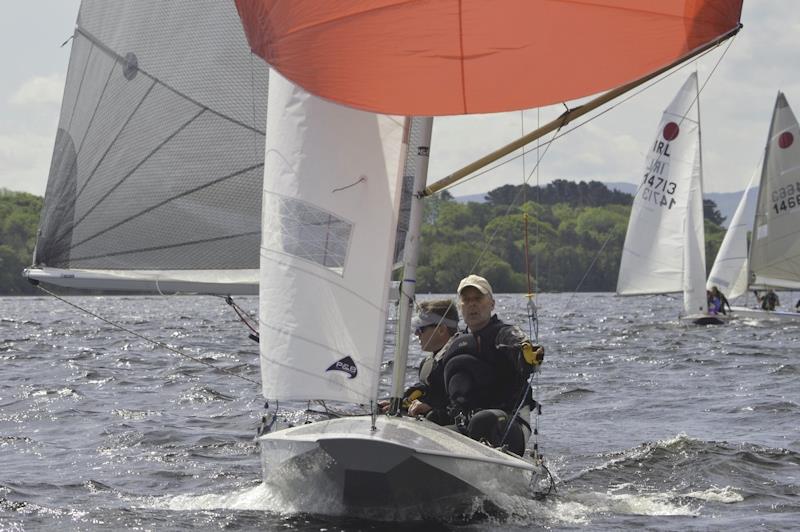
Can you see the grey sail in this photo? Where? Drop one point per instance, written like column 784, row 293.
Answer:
column 155, row 181
column 775, row 248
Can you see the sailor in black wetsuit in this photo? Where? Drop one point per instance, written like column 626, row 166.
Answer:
column 486, row 371
column 435, row 324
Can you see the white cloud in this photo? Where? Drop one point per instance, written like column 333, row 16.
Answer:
column 40, row 90
column 25, row 161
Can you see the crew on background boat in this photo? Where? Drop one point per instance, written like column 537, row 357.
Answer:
column 769, row 301
column 713, row 303
column 435, row 323
column 486, row 371
column 723, row 301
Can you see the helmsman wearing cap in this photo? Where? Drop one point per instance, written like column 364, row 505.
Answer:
column 486, row 371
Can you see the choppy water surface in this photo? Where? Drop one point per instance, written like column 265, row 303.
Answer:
column 647, row 424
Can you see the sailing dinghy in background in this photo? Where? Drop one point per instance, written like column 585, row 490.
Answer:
column 773, row 260
column 664, row 248
column 123, row 202
column 155, row 180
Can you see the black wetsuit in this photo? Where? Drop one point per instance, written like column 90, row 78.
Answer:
column 431, row 383
column 485, row 371
column 770, row 301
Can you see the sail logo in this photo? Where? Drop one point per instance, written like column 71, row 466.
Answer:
column 671, row 131
column 785, row 140
column 345, row 365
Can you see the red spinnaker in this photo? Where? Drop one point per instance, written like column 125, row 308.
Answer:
column 442, row 57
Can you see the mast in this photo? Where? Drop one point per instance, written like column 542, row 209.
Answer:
column 760, row 217
column 694, row 269
column 410, row 256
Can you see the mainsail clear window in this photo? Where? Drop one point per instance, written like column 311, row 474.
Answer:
column 312, row 234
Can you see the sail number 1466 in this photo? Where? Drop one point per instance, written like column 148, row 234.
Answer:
column 786, row 198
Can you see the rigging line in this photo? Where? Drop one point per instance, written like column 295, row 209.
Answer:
column 511, row 205
column 593, row 117
column 361, row 179
column 145, row 338
column 248, row 320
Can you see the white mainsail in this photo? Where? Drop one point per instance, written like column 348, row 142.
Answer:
column 664, row 245
column 775, row 249
column 729, row 272
column 331, row 194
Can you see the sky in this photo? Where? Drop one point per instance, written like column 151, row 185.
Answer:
column 736, row 107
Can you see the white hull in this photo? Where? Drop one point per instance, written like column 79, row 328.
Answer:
column 404, row 463
column 758, row 314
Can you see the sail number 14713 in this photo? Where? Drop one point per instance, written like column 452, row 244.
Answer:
column 659, row 191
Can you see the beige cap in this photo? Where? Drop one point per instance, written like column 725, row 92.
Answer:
column 478, row 282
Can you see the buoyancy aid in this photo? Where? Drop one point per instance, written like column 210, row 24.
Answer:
column 493, row 366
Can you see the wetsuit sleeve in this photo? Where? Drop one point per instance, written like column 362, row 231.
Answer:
column 515, row 345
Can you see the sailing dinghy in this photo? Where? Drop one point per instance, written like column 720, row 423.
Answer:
column 664, row 248
column 773, row 260
column 123, row 200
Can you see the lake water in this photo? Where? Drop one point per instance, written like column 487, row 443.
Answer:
column 647, row 424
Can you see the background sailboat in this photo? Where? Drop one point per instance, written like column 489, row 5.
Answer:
column 729, row 271
column 155, row 180
column 664, row 248
column 773, row 260
column 331, row 196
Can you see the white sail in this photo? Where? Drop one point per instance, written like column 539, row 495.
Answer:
column 156, row 173
column 666, row 218
column 331, row 194
column 694, row 254
column 775, row 249
column 729, row 272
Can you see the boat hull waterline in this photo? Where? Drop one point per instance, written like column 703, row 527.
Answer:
column 402, row 463
column 759, row 314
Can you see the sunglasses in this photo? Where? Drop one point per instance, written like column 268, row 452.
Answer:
column 420, row 330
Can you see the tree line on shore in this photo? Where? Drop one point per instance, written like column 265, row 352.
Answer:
column 19, row 219
column 575, row 232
